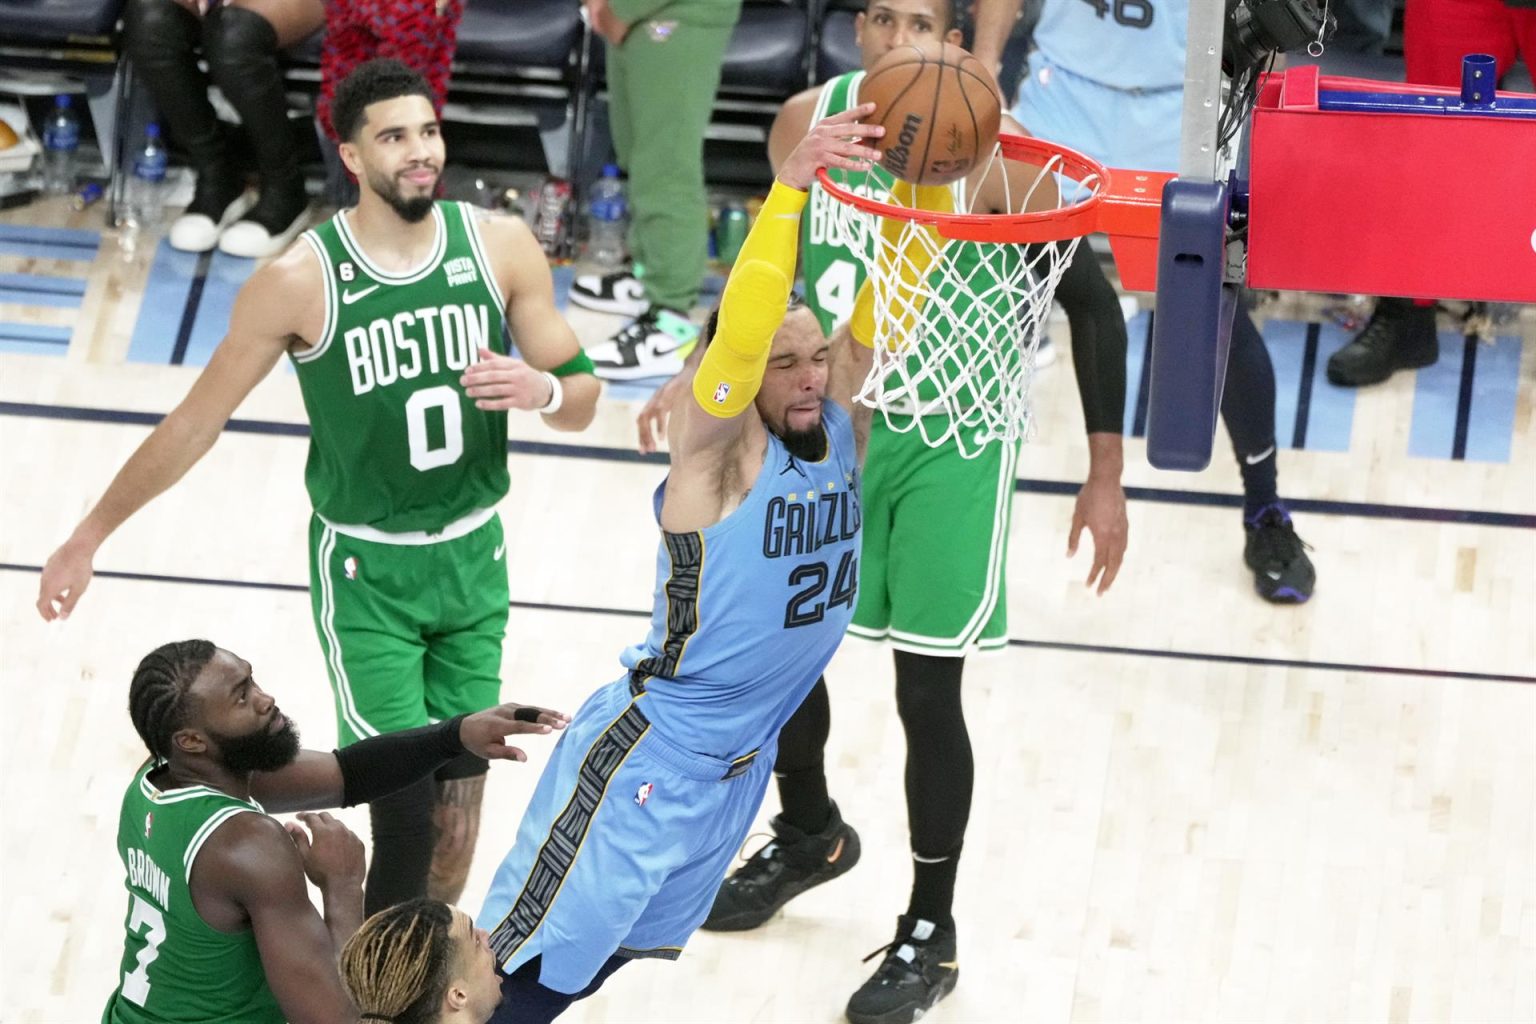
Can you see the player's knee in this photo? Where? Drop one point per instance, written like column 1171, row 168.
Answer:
column 928, row 693
column 158, row 30
column 239, row 43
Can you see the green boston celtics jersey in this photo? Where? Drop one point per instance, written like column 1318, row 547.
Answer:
column 395, row 444
column 834, row 271
column 176, row 969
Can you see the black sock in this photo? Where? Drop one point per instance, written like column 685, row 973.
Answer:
column 939, row 778
column 933, row 889
column 1260, row 484
column 1248, row 410
column 800, row 767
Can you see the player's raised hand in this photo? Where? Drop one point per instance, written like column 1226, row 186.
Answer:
column 1101, row 508
column 484, row 733
column 499, row 382
column 333, row 855
column 836, row 141
column 66, row 574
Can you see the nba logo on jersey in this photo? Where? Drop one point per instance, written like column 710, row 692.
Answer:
column 350, row 568
column 149, row 823
column 721, row 392
column 643, row 793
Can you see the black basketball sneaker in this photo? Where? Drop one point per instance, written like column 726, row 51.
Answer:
column 787, row 865
column 1282, row 572
column 919, row 969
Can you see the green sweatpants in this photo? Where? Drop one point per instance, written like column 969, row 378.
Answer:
column 661, row 88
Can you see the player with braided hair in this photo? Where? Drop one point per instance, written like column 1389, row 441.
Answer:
column 421, row 962
column 215, row 884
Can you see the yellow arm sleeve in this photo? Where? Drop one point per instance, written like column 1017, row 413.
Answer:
column 752, row 307
column 901, row 270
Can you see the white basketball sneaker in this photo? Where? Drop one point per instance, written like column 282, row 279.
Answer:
column 655, row 345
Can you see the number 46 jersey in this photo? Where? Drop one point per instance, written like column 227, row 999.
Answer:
column 395, row 444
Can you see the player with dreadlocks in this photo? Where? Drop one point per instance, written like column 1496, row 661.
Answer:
column 215, row 884
column 421, row 962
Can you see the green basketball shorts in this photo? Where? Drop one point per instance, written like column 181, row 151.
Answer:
column 931, row 576
column 411, row 632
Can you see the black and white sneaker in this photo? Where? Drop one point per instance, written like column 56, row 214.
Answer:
column 786, row 866
column 655, row 345
column 275, row 221
column 618, row 292
column 218, row 201
column 1282, row 572
column 919, row 969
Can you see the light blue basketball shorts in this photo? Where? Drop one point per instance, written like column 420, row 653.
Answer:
column 1136, row 129
column 622, row 848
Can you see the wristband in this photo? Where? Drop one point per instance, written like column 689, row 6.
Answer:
column 556, row 395
column 579, row 363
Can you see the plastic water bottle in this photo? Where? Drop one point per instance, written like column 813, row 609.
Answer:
column 61, row 141
column 146, row 187
column 607, row 214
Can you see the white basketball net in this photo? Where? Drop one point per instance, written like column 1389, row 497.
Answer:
column 955, row 344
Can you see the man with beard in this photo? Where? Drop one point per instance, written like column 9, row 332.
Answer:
column 219, row 925
column 393, row 313
column 653, row 788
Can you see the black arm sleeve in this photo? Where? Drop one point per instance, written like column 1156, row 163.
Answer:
column 380, row 765
column 1098, row 340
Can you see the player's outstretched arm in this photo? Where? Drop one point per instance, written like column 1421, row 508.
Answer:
column 757, row 292
column 251, row 868
column 381, row 765
column 554, row 376
column 266, row 317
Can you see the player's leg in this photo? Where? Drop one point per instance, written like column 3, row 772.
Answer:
column 524, row 1000
column 462, row 673
column 163, row 38
column 667, row 115
column 811, row 843
column 1282, row 572
column 242, row 40
column 921, row 966
column 364, row 597
column 947, row 552
column 608, row 822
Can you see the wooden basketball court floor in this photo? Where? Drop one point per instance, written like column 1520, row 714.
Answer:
column 1190, row 806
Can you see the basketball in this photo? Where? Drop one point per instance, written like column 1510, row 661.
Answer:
column 940, row 110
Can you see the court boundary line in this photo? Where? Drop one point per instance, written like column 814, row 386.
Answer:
column 1025, row 485
column 1020, row 642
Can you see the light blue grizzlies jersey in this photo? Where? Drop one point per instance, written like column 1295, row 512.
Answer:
column 1127, row 44
column 749, row 611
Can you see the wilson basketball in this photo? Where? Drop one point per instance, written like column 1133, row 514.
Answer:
column 940, row 110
